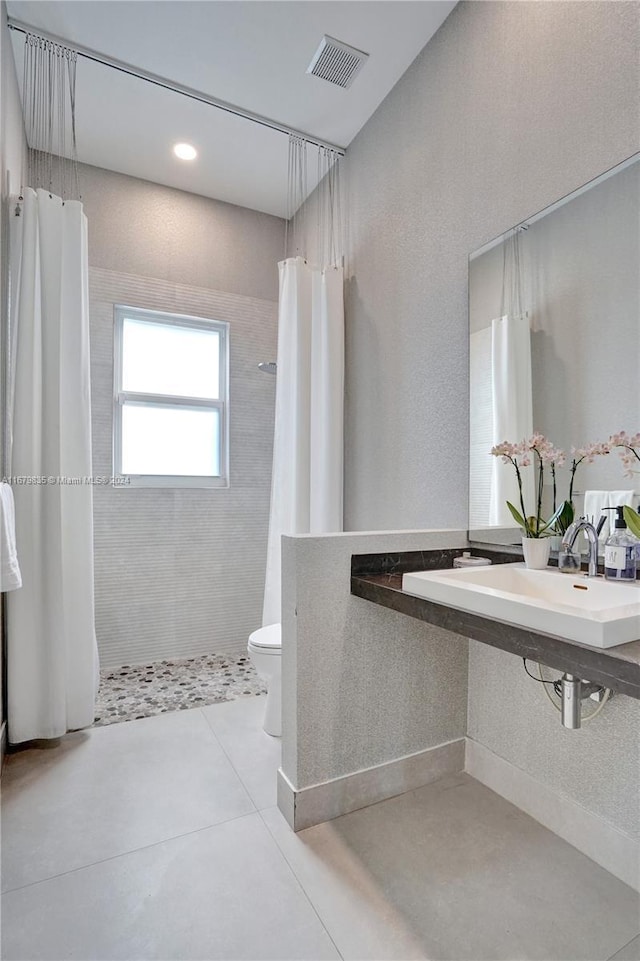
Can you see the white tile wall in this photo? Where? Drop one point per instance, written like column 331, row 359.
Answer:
column 181, row 572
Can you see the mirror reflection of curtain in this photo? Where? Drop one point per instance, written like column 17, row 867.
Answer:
column 512, row 411
column 501, row 396
column 481, row 427
column 512, row 395
column 501, row 409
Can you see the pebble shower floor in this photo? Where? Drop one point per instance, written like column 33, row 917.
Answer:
column 141, row 690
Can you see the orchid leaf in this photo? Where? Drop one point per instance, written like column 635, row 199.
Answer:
column 632, row 520
column 554, row 517
column 517, row 516
column 566, row 518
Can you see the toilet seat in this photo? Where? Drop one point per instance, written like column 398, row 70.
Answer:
column 267, row 640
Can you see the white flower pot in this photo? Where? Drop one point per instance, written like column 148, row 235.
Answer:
column 536, row 552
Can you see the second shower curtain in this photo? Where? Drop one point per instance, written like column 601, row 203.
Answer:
column 307, row 478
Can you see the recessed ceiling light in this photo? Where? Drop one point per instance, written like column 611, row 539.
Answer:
column 185, row 151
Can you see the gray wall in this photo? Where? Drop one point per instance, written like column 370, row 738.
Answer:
column 509, row 107
column 598, row 766
column 181, row 572
column 581, row 283
column 138, row 227
column 12, row 155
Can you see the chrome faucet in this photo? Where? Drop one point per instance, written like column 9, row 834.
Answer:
column 569, row 539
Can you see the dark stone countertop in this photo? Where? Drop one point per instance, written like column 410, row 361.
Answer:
column 378, row 578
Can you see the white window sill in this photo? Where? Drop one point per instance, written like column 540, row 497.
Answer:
column 129, row 481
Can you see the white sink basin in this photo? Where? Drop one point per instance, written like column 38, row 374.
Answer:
column 589, row 610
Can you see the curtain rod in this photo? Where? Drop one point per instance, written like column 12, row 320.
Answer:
column 166, row 84
column 525, row 224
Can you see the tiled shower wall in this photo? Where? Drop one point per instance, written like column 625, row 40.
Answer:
column 181, row 572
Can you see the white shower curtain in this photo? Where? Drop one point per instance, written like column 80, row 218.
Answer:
column 51, row 644
column 307, row 474
column 512, row 399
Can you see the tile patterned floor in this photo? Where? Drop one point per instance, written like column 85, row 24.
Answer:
column 135, row 691
column 159, row 839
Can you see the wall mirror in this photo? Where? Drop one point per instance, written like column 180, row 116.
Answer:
column 554, row 327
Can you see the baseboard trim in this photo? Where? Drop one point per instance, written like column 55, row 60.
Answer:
column 599, row 840
column 330, row 799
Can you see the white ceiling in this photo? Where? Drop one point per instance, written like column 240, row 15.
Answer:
column 251, row 53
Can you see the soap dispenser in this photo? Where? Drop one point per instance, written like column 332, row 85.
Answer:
column 620, row 550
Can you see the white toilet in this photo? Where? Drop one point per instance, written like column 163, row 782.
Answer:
column 265, row 651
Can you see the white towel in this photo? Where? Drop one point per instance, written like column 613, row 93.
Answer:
column 10, row 577
column 595, row 503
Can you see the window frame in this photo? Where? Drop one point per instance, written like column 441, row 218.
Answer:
column 122, row 312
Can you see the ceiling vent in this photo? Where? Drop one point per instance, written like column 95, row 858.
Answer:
column 336, row 62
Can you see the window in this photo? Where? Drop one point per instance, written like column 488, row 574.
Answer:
column 171, row 405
